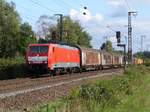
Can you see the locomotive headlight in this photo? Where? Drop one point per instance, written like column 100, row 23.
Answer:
column 45, row 62
column 29, row 58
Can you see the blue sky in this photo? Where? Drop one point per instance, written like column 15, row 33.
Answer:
column 100, row 15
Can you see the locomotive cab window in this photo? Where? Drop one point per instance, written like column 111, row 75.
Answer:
column 39, row 49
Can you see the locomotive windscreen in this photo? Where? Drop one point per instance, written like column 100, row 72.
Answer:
column 39, row 49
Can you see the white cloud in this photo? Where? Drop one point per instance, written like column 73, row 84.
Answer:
column 115, row 2
column 141, row 28
column 78, row 15
column 98, row 17
column 94, row 24
column 118, row 8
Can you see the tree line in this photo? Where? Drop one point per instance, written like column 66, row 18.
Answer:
column 143, row 55
column 73, row 32
column 15, row 35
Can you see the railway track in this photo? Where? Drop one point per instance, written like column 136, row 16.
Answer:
column 27, row 92
column 24, row 83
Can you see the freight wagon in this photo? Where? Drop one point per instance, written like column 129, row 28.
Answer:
column 107, row 59
column 118, row 60
column 138, row 61
column 90, row 58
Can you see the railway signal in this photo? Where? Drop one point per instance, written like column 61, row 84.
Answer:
column 118, row 36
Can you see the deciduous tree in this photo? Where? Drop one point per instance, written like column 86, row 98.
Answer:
column 26, row 37
column 107, row 46
column 9, row 29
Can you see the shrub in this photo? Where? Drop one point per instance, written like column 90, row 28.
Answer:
column 147, row 62
column 100, row 93
column 12, row 67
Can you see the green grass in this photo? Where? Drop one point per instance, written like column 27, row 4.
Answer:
column 128, row 93
column 138, row 102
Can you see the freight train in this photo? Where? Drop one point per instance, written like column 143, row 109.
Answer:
column 58, row 58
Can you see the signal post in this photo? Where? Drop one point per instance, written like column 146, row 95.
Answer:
column 118, row 36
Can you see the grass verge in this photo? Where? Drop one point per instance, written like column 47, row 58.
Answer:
column 128, row 93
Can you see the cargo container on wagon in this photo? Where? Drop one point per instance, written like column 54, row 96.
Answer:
column 90, row 58
column 107, row 59
column 138, row 61
column 117, row 60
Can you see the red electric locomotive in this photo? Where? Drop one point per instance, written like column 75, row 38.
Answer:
column 53, row 57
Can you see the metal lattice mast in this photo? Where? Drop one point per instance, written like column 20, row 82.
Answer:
column 130, row 37
column 60, row 26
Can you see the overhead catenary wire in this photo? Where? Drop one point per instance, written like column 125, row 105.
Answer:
column 25, row 10
column 128, row 6
column 29, row 18
column 125, row 36
column 85, row 7
column 69, row 5
column 114, row 30
column 33, row 18
column 26, row 13
column 78, row 3
column 43, row 6
column 60, row 5
column 84, row 3
column 40, row 5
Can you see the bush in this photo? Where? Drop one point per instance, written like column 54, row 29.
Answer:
column 12, row 68
column 147, row 62
column 101, row 94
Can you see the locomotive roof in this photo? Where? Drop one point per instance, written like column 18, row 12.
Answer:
column 39, row 44
column 56, row 45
